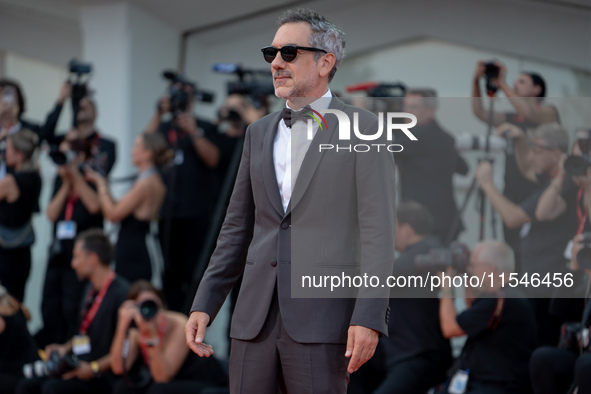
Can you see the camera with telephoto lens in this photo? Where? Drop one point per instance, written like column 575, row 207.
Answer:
column 491, row 70
column 584, row 255
column 179, row 98
column 456, row 256
column 86, row 146
column 577, row 165
column 148, row 309
column 55, row 366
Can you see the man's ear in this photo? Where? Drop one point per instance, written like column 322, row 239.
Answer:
column 325, row 64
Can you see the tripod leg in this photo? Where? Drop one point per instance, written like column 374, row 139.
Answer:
column 456, row 222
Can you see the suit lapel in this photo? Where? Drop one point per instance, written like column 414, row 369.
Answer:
column 313, row 156
column 269, row 175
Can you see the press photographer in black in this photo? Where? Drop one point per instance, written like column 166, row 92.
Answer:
column 417, row 356
column 88, row 369
column 157, row 359
column 427, row 166
column 74, row 208
column 526, row 96
column 561, row 369
column 499, row 323
column 543, row 237
column 190, row 184
column 19, row 197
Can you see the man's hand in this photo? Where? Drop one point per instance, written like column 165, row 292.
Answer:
column 61, row 349
column 65, row 92
column 484, row 173
column 361, row 345
column 509, row 130
column 576, row 248
column 83, row 372
column 195, row 333
column 479, row 73
column 164, row 105
column 188, row 124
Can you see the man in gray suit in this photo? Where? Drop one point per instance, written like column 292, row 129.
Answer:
column 297, row 209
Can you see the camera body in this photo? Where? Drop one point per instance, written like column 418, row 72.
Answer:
column 179, row 98
column 574, row 336
column 456, row 256
column 55, row 366
column 577, row 165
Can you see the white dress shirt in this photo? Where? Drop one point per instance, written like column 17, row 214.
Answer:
column 290, row 148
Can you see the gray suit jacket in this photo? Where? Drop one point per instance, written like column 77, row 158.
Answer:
column 340, row 219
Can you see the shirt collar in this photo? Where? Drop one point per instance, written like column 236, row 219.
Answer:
column 320, row 104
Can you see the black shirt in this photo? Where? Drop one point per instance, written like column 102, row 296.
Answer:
column 499, row 355
column 426, row 169
column 102, row 328
column 18, row 213
column 191, row 185
column 414, row 327
column 542, row 249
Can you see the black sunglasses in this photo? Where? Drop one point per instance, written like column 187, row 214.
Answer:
column 288, row 52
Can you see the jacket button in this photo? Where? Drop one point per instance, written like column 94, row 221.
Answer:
column 285, row 225
column 273, row 263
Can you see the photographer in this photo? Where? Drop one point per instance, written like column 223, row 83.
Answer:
column 417, row 355
column 427, row 167
column 500, row 327
column 98, row 318
column 553, row 369
column 136, row 210
column 526, row 96
column 544, row 239
column 17, row 347
column 157, row 346
column 19, row 196
column 190, row 188
column 74, row 208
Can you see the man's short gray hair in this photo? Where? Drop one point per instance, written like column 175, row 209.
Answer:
column 325, row 34
column 429, row 96
column 496, row 253
column 553, row 134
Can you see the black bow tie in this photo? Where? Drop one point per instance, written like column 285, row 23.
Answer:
column 290, row 116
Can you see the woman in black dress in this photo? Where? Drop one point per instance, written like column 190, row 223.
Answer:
column 19, row 197
column 137, row 208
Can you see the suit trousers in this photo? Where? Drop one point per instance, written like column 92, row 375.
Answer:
column 273, row 362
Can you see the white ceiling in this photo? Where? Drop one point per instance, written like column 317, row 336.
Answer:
column 195, row 14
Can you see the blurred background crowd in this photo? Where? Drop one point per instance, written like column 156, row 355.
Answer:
column 114, row 186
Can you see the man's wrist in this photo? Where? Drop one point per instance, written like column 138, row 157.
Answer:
column 94, row 365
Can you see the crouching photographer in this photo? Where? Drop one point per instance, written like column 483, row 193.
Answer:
column 500, row 327
column 150, row 351
column 566, row 367
column 83, row 364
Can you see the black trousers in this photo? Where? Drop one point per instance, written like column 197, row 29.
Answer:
column 273, row 361
column 60, row 386
column 60, row 307
column 415, row 376
column 553, row 371
column 181, row 241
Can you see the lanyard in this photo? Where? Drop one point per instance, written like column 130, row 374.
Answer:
column 582, row 218
column 161, row 326
column 70, row 207
column 91, row 313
